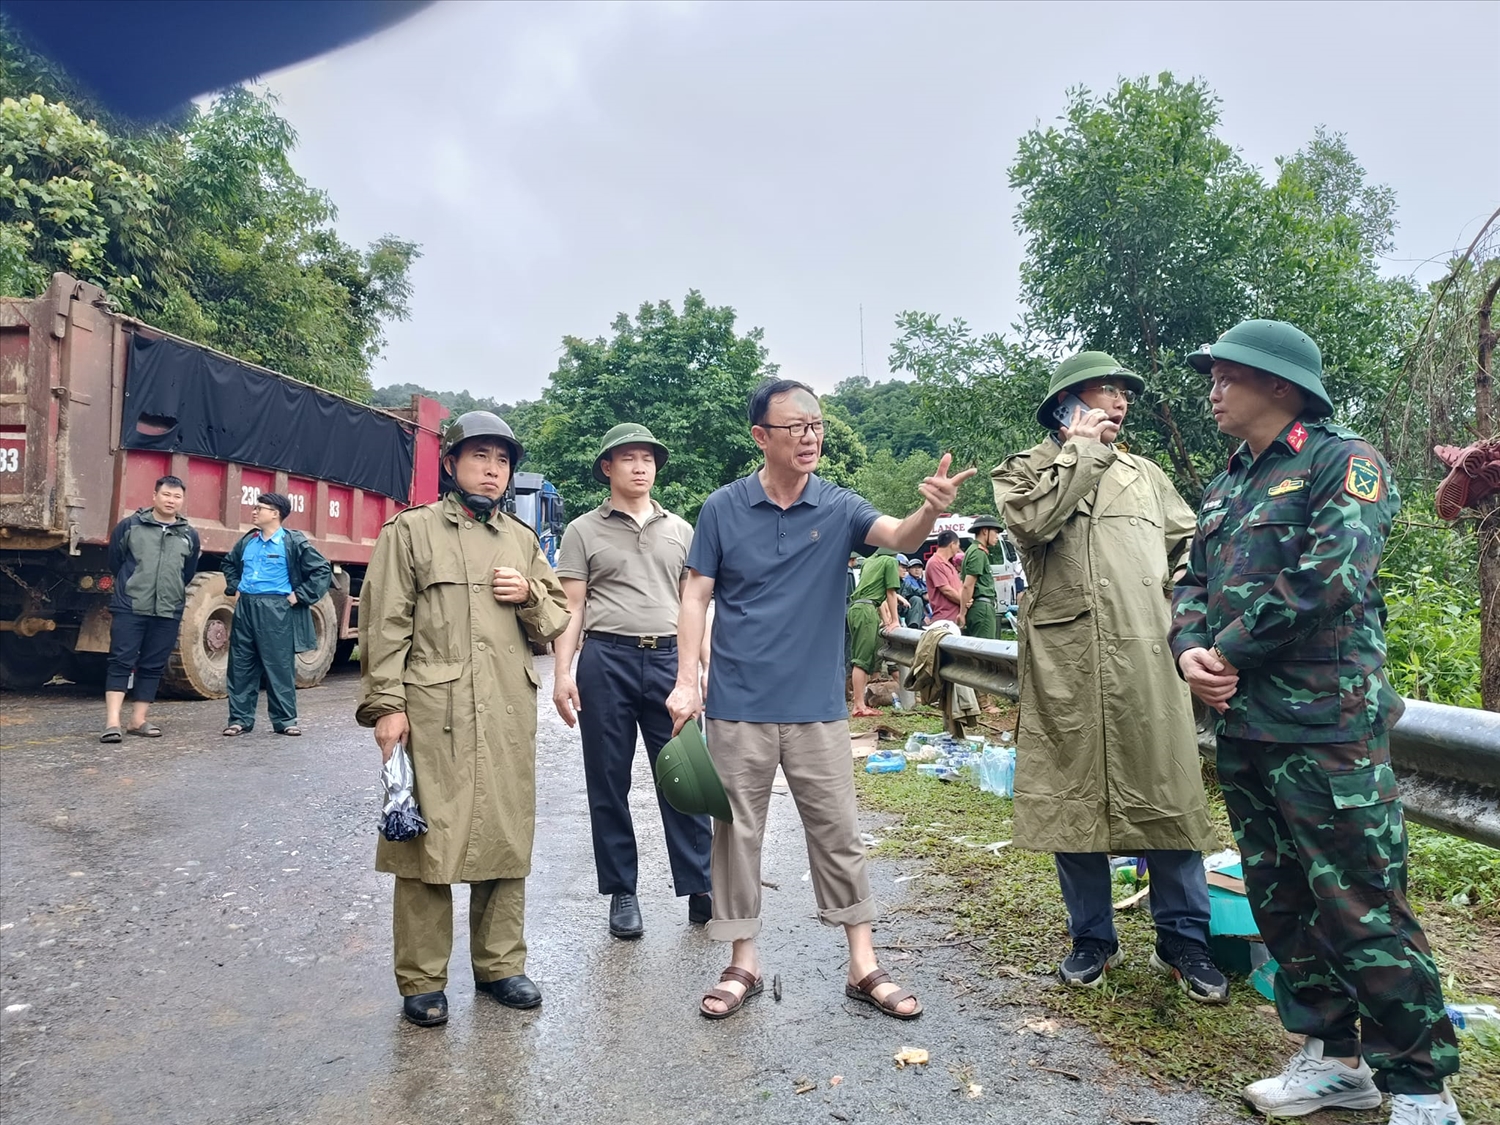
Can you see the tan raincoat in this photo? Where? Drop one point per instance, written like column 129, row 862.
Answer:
column 1107, row 755
column 434, row 642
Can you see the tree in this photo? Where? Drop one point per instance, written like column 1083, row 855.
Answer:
column 979, row 394
column 686, row 376
column 1134, row 214
column 200, row 226
column 885, row 415
column 844, row 454
column 66, row 205
column 255, row 267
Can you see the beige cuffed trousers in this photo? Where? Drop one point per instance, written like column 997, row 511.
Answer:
column 819, row 769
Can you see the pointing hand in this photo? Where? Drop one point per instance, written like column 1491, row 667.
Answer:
column 939, row 491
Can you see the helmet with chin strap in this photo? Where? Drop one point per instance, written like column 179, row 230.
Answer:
column 479, row 424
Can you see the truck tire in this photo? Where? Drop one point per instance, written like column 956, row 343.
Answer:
column 199, row 666
column 29, row 662
column 313, row 665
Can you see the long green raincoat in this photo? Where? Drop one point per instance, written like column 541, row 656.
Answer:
column 1107, row 755
column 435, row 643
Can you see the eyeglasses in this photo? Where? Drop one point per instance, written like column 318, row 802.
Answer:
column 797, row 430
column 1109, row 390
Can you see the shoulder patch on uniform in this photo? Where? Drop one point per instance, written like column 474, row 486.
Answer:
column 1362, row 478
column 1291, row 484
column 1297, row 437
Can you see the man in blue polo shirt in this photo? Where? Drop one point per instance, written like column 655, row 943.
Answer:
column 771, row 550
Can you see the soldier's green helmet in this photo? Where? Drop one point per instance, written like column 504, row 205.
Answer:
column 627, row 433
column 481, row 423
column 1276, row 347
column 1076, row 371
column 688, row 779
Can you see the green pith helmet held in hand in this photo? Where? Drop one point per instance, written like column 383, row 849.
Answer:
column 627, row 433
column 481, row 423
column 1078, row 370
column 1277, row 348
column 688, row 779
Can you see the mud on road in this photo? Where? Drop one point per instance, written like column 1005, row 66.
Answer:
column 191, row 930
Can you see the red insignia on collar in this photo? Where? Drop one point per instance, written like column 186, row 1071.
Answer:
column 1297, row 437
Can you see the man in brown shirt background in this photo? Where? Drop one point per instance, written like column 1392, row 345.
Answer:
column 621, row 566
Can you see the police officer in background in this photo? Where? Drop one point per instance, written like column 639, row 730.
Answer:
column 978, row 614
column 622, row 567
column 455, row 593
column 1279, row 627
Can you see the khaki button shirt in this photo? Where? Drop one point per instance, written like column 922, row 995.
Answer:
column 633, row 571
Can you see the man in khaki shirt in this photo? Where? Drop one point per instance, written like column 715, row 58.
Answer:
column 621, row 566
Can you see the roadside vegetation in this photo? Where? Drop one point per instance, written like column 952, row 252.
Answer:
column 1008, row 901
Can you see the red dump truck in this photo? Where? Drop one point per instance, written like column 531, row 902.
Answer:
column 95, row 406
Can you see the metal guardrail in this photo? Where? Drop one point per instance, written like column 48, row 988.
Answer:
column 1447, row 759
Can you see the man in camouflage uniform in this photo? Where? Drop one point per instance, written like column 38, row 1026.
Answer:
column 1279, row 627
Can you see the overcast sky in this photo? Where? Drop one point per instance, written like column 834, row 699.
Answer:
column 563, row 163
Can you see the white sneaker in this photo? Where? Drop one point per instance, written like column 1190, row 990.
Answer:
column 1430, row 1109
column 1310, row 1082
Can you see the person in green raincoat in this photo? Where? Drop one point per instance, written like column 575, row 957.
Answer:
column 454, row 596
column 1106, row 749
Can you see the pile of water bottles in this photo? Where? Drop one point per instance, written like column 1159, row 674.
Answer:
column 991, row 765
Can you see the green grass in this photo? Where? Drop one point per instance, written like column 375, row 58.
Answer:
column 1010, row 903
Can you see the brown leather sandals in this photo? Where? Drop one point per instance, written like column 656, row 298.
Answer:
column 732, row 1003
column 864, row 992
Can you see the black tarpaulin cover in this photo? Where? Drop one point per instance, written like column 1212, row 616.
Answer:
column 184, row 400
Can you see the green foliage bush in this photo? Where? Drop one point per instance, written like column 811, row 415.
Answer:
column 1430, row 578
column 201, row 227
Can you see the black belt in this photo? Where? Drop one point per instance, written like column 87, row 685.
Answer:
column 657, row 642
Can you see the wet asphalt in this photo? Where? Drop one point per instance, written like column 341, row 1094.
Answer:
column 191, row 930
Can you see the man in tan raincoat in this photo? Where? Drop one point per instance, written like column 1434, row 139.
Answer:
column 455, row 591
column 1107, row 756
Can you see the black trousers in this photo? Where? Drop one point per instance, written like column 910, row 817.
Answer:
column 139, row 644
column 621, row 688
column 263, row 642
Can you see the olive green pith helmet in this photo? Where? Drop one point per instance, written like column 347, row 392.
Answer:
column 688, row 779
column 982, row 522
column 627, row 433
column 1080, row 369
column 1277, row 348
column 481, row 423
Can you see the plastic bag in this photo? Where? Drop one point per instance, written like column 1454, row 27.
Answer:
column 400, row 818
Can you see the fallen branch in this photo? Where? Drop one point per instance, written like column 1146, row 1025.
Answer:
column 1054, row 1070
column 901, row 947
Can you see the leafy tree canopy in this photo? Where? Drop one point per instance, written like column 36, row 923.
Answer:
column 684, row 375
column 885, row 415
column 1148, row 235
column 202, row 228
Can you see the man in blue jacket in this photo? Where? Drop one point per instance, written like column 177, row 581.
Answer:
column 278, row 576
column 153, row 554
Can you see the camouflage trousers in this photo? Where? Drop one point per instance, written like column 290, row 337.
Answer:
column 1323, row 838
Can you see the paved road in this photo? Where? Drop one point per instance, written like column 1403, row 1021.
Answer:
column 191, row 931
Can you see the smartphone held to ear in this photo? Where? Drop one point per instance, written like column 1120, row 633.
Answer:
column 1069, row 406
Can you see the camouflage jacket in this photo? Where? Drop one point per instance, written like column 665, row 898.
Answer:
column 1281, row 579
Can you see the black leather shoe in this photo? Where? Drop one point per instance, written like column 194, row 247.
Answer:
column 700, row 909
column 625, row 917
column 426, row 1009
column 514, row 992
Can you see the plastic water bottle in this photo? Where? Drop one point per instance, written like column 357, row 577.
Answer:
column 885, row 761
column 1471, row 1017
column 997, row 770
